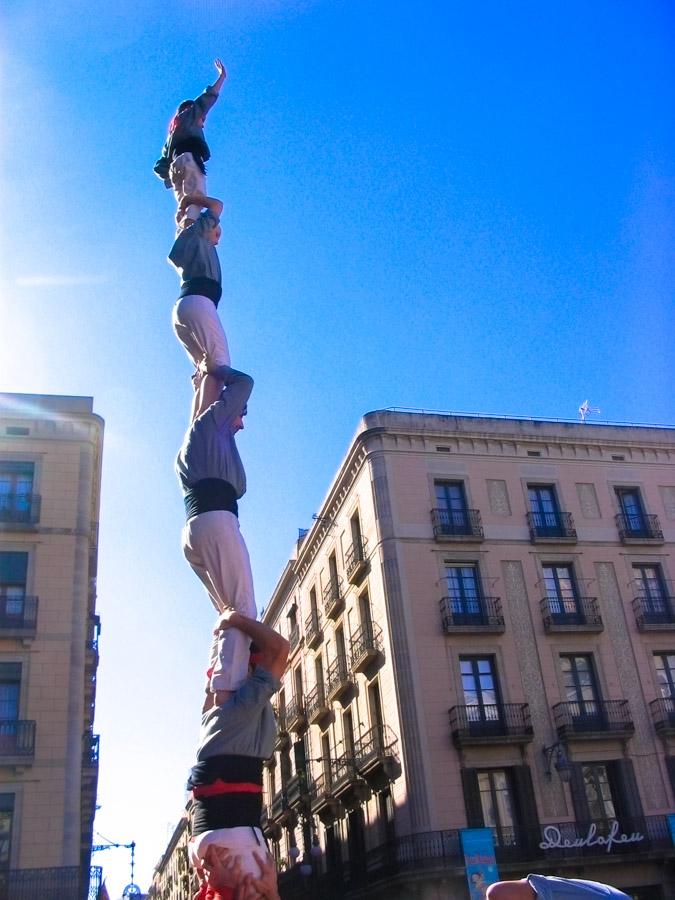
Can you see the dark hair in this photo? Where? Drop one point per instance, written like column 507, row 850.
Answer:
column 186, row 104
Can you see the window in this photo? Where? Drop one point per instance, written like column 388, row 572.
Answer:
column 651, row 591
column 581, row 688
column 545, row 512
column 498, row 806
column 464, row 593
column 297, row 684
column 632, row 511
column 10, row 687
column 598, row 791
column 13, row 568
column 665, row 674
column 451, row 507
column 16, row 491
column 479, row 683
column 561, row 592
column 6, row 818
column 332, row 570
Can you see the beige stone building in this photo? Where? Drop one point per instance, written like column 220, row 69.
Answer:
column 50, row 475
column 173, row 879
column 482, row 625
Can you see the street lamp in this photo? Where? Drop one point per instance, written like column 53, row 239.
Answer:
column 556, row 755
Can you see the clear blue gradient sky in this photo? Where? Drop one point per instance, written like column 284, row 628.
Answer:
column 449, row 205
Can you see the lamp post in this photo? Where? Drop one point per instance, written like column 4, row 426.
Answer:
column 556, row 755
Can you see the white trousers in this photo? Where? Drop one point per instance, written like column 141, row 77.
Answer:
column 214, row 547
column 197, row 326
column 241, row 841
column 187, row 178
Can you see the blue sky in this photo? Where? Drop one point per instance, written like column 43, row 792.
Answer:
column 443, row 205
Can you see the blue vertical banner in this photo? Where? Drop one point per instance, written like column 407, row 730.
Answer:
column 671, row 826
column 478, row 848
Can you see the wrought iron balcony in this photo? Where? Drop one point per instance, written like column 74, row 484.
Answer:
column 495, row 723
column 280, row 810
column 293, row 638
column 356, row 560
column 571, row 614
column 366, row 647
column 333, row 598
column 281, row 740
column 400, row 861
column 551, row 527
column 457, row 524
column 18, row 615
column 638, row 529
column 316, row 705
column 377, row 752
column 19, row 509
column 338, row 678
column 663, row 715
column 313, row 632
column 17, row 738
column 90, row 748
column 588, row 719
column 297, row 790
column 296, row 715
column 347, row 784
column 321, row 794
column 471, row 614
column 60, row 883
column 655, row 613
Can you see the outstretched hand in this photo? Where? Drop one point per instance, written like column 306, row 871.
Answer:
column 220, row 68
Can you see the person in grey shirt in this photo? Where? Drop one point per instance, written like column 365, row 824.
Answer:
column 195, row 314
column 212, row 477
column 237, row 734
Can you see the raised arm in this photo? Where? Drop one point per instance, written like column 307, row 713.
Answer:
column 234, row 397
column 222, row 75
column 272, row 647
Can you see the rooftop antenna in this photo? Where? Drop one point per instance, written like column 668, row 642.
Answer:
column 585, row 410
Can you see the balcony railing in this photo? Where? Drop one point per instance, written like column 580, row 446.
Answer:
column 297, row 790
column 321, row 794
column 472, row 614
column 63, row 883
column 281, row 739
column 20, row 509
column 571, row 614
column 316, row 705
column 90, row 748
column 663, row 715
column 640, row 528
column 366, row 646
column 551, row 526
column 440, row 852
column 293, row 638
column 296, row 715
column 333, row 598
column 497, row 723
column 655, row 613
column 18, row 614
column 356, row 560
column 313, row 633
column 338, row 678
column 457, row 524
column 593, row 718
column 376, row 748
column 17, row 738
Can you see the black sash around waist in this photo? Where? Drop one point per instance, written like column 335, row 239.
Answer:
column 202, row 287
column 209, row 494
column 230, row 809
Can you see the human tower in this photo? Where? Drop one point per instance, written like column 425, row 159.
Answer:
column 246, row 658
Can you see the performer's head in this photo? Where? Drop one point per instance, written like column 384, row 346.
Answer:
column 238, row 421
